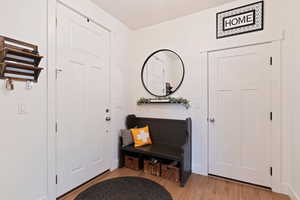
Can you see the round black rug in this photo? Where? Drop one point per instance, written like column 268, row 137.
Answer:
column 126, row 188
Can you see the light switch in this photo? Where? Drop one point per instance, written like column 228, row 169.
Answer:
column 22, row 110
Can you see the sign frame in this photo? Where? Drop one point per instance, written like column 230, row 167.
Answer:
column 255, row 9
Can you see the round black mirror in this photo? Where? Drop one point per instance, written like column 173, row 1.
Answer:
column 163, row 73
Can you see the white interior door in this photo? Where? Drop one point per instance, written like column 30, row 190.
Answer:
column 82, row 99
column 239, row 108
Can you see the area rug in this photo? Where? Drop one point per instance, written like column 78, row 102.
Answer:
column 126, row 188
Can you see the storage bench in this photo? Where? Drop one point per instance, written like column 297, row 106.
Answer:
column 171, row 141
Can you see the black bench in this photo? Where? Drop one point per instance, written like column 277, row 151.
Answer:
column 171, row 141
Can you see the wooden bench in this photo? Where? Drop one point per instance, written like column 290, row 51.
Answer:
column 171, row 141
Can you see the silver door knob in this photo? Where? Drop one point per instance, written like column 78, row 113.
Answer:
column 212, row 120
column 58, row 70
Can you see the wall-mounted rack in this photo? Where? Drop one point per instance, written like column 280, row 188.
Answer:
column 19, row 72
column 19, row 60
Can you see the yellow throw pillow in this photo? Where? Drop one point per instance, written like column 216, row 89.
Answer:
column 141, row 136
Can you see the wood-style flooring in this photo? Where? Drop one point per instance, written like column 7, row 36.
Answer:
column 198, row 188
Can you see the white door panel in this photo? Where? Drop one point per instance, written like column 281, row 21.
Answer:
column 82, row 98
column 240, row 103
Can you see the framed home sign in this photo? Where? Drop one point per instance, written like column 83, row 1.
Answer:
column 241, row 20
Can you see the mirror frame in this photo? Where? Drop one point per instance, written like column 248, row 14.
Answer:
column 144, row 65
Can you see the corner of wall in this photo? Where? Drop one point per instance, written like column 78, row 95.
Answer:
column 289, row 190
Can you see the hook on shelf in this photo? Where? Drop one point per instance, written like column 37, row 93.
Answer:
column 9, row 85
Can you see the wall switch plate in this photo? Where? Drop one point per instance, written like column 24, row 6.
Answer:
column 22, row 109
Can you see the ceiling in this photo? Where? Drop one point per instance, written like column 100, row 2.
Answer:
column 141, row 13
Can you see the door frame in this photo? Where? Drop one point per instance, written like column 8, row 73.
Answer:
column 51, row 85
column 276, row 145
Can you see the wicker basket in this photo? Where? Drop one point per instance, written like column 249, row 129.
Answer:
column 170, row 172
column 152, row 168
column 132, row 163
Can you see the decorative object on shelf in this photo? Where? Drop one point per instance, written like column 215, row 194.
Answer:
column 19, row 61
column 171, row 100
column 163, row 73
column 244, row 19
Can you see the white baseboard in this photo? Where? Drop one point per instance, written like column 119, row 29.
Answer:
column 114, row 165
column 289, row 190
column 42, row 198
column 285, row 189
column 197, row 169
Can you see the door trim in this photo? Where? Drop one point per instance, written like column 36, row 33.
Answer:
column 276, row 157
column 51, row 81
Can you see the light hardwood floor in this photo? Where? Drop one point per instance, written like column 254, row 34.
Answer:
column 198, row 188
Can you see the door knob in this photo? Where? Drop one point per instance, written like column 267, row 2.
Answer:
column 212, row 120
column 58, row 70
column 107, row 119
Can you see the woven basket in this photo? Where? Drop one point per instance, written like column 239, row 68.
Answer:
column 152, row 168
column 132, row 163
column 170, row 172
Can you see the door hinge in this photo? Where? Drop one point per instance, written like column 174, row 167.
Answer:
column 271, row 116
column 56, row 179
column 56, row 127
column 271, row 60
column 56, row 21
column 56, row 74
column 271, row 171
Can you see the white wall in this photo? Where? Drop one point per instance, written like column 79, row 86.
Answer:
column 24, row 140
column 189, row 36
column 23, row 144
column 291, row 89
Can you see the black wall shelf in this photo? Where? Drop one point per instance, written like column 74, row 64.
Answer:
column 168, row 100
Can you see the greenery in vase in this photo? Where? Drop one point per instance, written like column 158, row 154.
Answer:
column 186, row 103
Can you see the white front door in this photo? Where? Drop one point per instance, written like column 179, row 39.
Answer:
column 83, row 150
column 239, row 109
